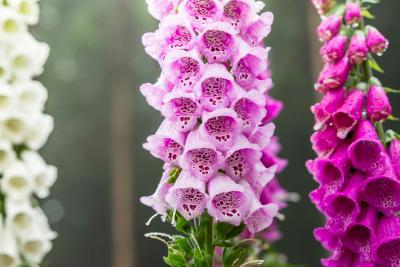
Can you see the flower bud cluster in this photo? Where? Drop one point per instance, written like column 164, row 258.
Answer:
column 216, row 139
column 358, row 176
column 25, row 235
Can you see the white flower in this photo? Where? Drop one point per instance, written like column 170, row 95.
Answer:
column 5, row 72
column 9, row 256
column 17, row 183
column 28, row 57
column 20, row 216
column 15, row 127
column 11, row 25
column 44, row 176
column 27, row 9
column 7, row 154
column 7, row 100
column 31, row 95
column 41, row 127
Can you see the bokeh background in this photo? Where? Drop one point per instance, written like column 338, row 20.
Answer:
column 96, row 66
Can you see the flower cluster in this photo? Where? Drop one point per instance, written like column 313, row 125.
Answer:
column 358, row 167
column 25, row 236
column 217, row 136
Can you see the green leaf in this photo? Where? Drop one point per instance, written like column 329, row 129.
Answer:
column 225, row 231
column 175, row 258
column 391, row 135
column 222, row 243
column 199, row 259
column 391, row 90
column 392, row 118
column 366, row 14
column 182, row 225
column 374, row 65
column 183, row 244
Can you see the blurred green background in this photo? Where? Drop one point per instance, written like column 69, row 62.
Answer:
column 96, row 67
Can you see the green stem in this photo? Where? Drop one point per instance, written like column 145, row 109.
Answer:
column 208, row 240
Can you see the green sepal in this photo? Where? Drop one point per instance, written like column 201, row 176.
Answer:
column 173, row 175
column 374, row 65
column 391, row 90
column 390, row 135
column 366, row 14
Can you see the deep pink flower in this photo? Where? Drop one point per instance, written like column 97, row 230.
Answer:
column 353, row 15
column 273, row 108
column 334, row 49
column 386, row 250
column 329, row 27
column 329, row 104
column 378, row 104
column 377, row 43
column 358, row 50
column 333, row 76
column 325, row 141
column 323, row 6
column 394, row 153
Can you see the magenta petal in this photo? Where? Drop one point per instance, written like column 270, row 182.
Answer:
column 325, row 141
column 386, row 250
column 273, row 108
column 329, row 27
column 329, row 240
column 260, row 217
column 349, row 113
column 394, row 153
column 228, row 201
column 344, row 204
column 377, row 43
column 330, row 103
column 383, row 193
column 331, row 172
column 358, row 50
column 334, row 49
column 333, row 75
column 341, row 259
column 359, row 261
column 378, row 104
column 359, row 235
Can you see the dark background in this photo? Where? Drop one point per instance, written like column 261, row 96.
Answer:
column 96, row 67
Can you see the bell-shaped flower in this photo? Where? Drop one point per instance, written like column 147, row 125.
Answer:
column 238, row 13
column 360, row 261
column 343, row 205
column 329, row 27
column 7, row 154
column 183, row 68
column 201, row 13
column 20, row 216
column 17, row 182
column 182, row 109
column 367, row 153
column 359, row 235
column 343, row 258
column 378, row 104
column 358, row 50
column 250, row 66
column 334, row 49
column 9, row 255
column 383, row 193
column 269, row 159
column 394, row 153
column 188, row 196
column 216, row 89
column 262, row 135
column 217, row 42
column 250, row 108
column 200, row 157
column 174, row 33
column 157, row 201
column 221, row 127
column 31, row 96
column 28, row 57
column 5, row 69
column 44, row 176
column 228, row 200
column 242, row 159
column 331, row 172
column 28, row 9
column 324, row 142
column 349, row 114
column 353, row 15
column 7, row 100
column 155, row 93
column 167, row 144
column 333, row 75
column 260, row 216
column 258, row 30
column 159, row 9
column 40, row 127
column 15, row 127
column 12, row 25
column 377, row 43
column 273, row 108
column 329, row 104
column 329, row 240
column 386, row 249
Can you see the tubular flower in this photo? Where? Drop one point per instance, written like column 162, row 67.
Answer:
column 25, row 235
column 216, row 139
column 357, row 164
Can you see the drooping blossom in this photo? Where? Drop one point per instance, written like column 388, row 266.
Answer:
column 217, row 129
column 25, row 235
column 357, row 167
